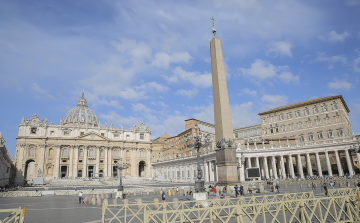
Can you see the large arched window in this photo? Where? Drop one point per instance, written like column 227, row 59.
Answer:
column 51, row 152
column 115, row 153
column 64, row 153
column 81, row 153
column 31, row 151
column 141, row 153
column 127, row 153
column 101, row 153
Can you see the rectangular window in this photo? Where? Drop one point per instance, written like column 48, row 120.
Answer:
column 283, row 128
column 291, row 126
column 318, row 122
column 311, row 137
column 325, row 108
column 7, row 169
column 127, row 136
column 141, row 135
column 289, row 115
column 102, row 134
column 334, row 106
column 337, row 119
column 52, row 133
column 116, row 136
column 330, row 135
column 320, row 135
column 297, row 113
column 306, row 112
column 281, row 116
column 270, row 119
column 300, row 125
column 340, row 132
column 327, row 120
column 275, row 118
column 302, row 138
column 316, row 110
column 309, row 123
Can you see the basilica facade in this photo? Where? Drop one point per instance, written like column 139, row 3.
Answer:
column 78, row 147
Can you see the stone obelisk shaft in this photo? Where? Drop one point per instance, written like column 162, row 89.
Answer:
column 226, row 160
column 222, row 112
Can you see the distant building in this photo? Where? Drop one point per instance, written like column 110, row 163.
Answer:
column 78, row 147
column 6, row 164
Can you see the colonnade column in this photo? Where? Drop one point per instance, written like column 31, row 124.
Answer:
column 283, row 171
column 266, row 168
column 42, row 158
column 206, row 172
column 338, row 163
column 318, row 164
column 299, row 165
column 211, row 171
column 291, row 166
column 85, row 162
column 328, row 163
column 75, row 169
column 308, row 162
column 248, row 162
column 57, row 161
column 349, row 162
column 106, row 150
column 71, row 161
column 274, row 167
column 110, row 162
column 358, row 158
column 257, row 162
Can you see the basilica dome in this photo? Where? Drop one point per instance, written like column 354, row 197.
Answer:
column 81, row 114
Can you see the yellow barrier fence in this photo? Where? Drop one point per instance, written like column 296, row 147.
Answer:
column 13, row 215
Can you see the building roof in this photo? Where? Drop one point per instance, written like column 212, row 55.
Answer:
column 251, row 126
column 304, row 103
column 199, row 121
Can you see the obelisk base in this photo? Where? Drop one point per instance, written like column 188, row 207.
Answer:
column 227, row 163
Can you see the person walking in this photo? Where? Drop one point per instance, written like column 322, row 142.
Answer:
column 250, row 189
column 277, row 187
column 313, row 186
column 241, row 190
column 236, row 190
column 325, row 188
column 163, row 197
column 80, row 197
column 225, row 191
column 214, row 191
column 177, row 190
column 173, row 191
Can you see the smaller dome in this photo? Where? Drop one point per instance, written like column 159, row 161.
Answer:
column 81, row 114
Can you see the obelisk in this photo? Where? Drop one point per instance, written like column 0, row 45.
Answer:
column 226, row 160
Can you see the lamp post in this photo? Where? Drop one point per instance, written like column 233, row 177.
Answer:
column 121, row 167
column 198, row 142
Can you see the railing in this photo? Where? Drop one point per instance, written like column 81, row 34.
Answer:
column 328, row 209
column 21, row 194
column 15, row 216
column 135, row 212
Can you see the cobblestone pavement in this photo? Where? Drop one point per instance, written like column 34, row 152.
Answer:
column 57, row 209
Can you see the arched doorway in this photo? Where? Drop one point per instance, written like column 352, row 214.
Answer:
column 142, row 169
column 30, row 171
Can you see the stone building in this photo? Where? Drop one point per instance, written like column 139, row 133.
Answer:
column 6, row 164
column 286, row 145
column 78, row 147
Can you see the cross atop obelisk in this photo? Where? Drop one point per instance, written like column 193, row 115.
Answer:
column 226, row 152
column 213, row 21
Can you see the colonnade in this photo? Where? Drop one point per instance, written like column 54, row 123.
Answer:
column 291, row 165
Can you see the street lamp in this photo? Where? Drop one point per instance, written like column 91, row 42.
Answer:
column 121, row 167
column 198, row 142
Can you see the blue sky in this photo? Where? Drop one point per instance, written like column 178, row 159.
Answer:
column 150, row 60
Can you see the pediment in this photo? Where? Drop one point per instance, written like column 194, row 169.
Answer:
column 92, row 136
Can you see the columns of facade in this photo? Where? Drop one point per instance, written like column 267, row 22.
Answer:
column 212, row 177
column 275, row 175
column 42, row 158
column 282, row 163
column 266, row 168
column 110, row 151
column 71, row 161
column 85, row 161
column 349, row 162
column 215, row 172
column 318, row 164
column 309, row 167
column 97, row 167
column 106, row 174
column 241, row 170
column 148, row 163
column 75, row 169
column 133, row 164
column 291, row 166
column 338, row 163
column 328, row 163
column 57, row 161
column 299, row 165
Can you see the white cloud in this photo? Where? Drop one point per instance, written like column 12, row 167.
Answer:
column 340, row 84
column 247, row 91
column 272, row 101
column 205, row 113
column 353, row 2
column 334, row 37
column 40, row 92
column 282, row 48
column 160, row 103
column 188, row 93
column 322, row 57
column 356, row 64
column 196, row 78
column 113, row 117
column 262, row 69
column 244, row 115
column 140, row 108
column 163, row 60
